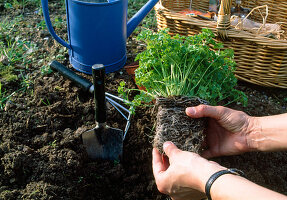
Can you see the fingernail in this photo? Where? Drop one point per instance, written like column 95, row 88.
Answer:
column 166, row 144
column 190, row 110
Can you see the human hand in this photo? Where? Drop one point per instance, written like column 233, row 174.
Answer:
column 228, row 130
column 182, row 174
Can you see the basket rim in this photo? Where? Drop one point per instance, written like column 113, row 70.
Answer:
column 232, row 33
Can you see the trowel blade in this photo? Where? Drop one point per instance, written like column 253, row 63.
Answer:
column 104, row 143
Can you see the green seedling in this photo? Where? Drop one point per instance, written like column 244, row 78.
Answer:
column 58, row 88
column 35, row 192
column 41, row 25
column 58, row 22
column 46, row 102
column 8, row 6
column 80, row 179
column 25, row 82
column 98, row 177
column 53, row 144
column 45, row 70
column 116, row 162
column 143, row 96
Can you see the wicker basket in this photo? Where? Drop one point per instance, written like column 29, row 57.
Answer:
column 260, row 60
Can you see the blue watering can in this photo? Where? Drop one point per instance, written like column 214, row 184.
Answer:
column 97, row 31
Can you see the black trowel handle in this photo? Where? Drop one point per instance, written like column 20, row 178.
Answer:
column 66, row 72
column 99, row 92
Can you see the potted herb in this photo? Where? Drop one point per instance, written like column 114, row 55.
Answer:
column 179, row 72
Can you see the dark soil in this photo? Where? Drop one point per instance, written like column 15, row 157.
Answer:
column 41, row 152
column 172, row 124
column 42, row 156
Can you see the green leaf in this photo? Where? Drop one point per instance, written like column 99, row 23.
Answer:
column 186, row 66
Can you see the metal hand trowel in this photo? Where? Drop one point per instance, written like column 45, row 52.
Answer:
column 103, row 141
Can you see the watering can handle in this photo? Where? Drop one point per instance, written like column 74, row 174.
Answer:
column 138, row 17
column 49, row 24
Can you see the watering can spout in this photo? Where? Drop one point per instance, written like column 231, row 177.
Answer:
column 138, row 17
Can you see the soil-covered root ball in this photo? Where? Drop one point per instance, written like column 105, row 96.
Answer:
column 174, row 125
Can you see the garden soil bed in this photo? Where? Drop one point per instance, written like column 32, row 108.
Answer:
column 41, row 155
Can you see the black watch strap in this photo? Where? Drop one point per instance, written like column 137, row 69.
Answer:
column 218, row 174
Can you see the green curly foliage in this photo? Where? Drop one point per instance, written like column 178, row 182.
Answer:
column 187, row 66
column 138, row 99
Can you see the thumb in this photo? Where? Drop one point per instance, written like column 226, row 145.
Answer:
column 215, row 112
column 170, row 149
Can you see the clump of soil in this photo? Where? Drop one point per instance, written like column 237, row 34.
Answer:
column 174, row 125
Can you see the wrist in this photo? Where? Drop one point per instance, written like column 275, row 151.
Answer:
column 209, row 169
column 269, row 133
column 253, row 136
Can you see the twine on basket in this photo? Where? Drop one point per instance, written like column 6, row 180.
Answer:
column 263, row 29
column 223, row 21
column 190, row 4
column 264, row 18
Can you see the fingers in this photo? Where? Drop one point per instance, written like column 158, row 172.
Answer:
column 158, row 170
column 215, row 112
column 165, row 161
column 161, row 163
column 157, row 163
column 170, row 149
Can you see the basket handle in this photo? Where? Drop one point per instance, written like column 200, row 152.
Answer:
column 223, row 20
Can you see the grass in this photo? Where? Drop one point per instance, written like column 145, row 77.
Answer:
column 17, row 53
column 149, row 21
column 20, row 4
column 2, row 97
column 45, row 69
column 14, row 50
column 46, row 101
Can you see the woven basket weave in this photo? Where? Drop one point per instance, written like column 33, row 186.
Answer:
column 260, row 60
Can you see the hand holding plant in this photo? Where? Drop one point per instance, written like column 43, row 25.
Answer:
column 229, row 132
